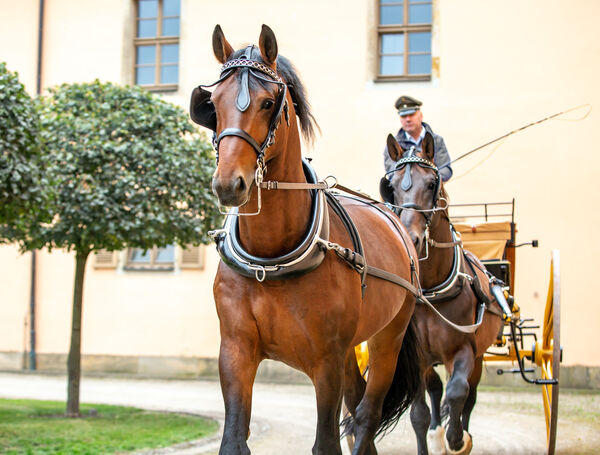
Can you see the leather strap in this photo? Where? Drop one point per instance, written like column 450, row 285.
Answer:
column 242, row 134
column 445, row 244
column 275, row 185
column 345, row 189
column 379, row 273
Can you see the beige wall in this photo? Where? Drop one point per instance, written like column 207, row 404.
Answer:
column 128, row 313
column 499, row 66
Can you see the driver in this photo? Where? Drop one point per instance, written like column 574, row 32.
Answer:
column 412, row 133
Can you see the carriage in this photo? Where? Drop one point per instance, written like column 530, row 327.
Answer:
column 489, row 230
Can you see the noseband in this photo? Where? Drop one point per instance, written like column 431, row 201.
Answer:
column 202, row 110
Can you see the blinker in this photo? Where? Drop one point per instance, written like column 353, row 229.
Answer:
column 202, row 110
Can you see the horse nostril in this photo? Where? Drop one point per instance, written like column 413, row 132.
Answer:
column 240, row 185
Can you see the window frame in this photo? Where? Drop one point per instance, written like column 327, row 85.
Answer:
column 157, row 41
column 151, row 266
column 405, row 29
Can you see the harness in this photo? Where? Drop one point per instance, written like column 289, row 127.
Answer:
column 311, row 251
column 453, row 284
column 309, row 254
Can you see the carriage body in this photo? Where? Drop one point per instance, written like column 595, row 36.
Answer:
column 489, row 231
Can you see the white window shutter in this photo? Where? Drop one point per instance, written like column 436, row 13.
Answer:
column 192, row 257
column 105, row 259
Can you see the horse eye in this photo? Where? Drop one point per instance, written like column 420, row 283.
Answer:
column 267, row 104
column 431, row 186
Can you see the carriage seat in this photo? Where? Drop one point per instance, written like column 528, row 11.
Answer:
column 486, row 240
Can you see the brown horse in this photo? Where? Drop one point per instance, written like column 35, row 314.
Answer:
column 455, row 282
column 313, row 316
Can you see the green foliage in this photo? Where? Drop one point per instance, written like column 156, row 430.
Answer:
column 22, row 197
column 30, row 427
column 129, row 169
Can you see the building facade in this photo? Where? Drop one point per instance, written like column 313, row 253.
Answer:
column 481, row 68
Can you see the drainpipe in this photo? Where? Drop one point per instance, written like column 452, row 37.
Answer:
column 32, row 296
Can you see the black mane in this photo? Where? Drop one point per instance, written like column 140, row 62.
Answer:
column 289, row 74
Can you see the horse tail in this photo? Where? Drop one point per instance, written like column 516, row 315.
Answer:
column 406, row 382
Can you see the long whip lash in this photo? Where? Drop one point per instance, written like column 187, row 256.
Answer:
column 518, row 130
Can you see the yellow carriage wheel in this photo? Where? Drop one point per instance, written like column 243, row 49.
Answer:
column 548, row 355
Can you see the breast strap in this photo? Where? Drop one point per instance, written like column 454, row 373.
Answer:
column 307, row 256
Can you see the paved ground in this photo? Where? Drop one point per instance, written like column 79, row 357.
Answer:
column 284, row 416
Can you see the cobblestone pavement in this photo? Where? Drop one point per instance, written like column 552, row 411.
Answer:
column 284, row 416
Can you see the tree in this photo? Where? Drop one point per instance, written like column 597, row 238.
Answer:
column 130, row 170
column 22, row 191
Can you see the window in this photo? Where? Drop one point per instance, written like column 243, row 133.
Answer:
column 404, row 40
column 157, row 44
column 169, row 258
column 154, row 259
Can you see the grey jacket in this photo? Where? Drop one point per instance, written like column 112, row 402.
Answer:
column 441, row 155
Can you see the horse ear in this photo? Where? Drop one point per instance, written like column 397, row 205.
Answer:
column 428, row 147
column 221, row 47
column 394, row 148
column 268, row 46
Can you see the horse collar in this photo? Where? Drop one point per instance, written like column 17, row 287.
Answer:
column 307, row 256
column 452, row 285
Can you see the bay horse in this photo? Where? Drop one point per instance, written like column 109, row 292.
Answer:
column 311, row 313
column 455, row 281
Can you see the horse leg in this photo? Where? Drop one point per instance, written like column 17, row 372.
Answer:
column 419, row 418
column 354, row 386
column 368, row 413
column 458, row 441
column 383, row 357
column 435, row 434
column 328, row 379
column 472, row 398
column 238, row 362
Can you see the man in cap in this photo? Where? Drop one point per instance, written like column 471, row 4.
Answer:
column 412, row 133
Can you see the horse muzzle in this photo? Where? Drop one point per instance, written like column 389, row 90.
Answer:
column 233, row 191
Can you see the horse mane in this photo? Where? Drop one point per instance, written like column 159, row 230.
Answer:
column 289, row 74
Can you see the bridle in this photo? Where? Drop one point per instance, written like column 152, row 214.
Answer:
column 202, row 110
column 407, row 161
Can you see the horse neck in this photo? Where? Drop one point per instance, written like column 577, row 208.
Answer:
column 437, row 267
column 284, row 216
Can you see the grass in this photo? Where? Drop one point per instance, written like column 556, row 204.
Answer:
column 29, row 427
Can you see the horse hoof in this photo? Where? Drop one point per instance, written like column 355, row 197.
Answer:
column 466, row 446
column 435, row 441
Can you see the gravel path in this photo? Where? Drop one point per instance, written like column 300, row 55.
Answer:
column 284, row 416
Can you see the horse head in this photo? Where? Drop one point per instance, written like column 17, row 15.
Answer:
column 245, row 111
column 414, row 187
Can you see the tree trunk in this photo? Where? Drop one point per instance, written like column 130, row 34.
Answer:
column 74, row 360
